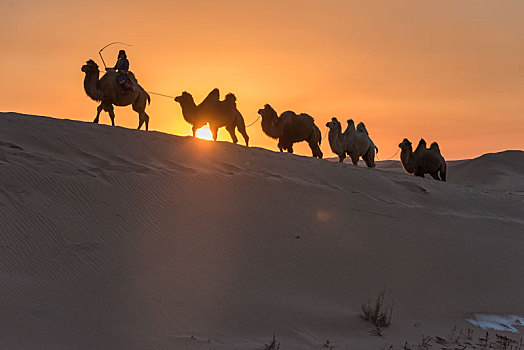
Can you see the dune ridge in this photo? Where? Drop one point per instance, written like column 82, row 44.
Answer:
column 117, row 238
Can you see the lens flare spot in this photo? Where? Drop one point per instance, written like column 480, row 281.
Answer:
column 323, row 215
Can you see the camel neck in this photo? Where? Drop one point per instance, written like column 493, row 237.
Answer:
column 406, row 157
column 335, row 136
column 189, row 110
column 269, row 126
column 91, row 85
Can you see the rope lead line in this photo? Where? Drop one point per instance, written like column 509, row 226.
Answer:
column 156, row 93
column 391, row 156
column 247, row 126
column 325, row 135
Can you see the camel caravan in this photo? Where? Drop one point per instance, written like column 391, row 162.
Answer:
column 119, row 87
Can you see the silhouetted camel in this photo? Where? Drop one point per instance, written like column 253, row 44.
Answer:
column 290, row 128
column 423, row 160
column 215, row 112
column 359, row 144
column 109, row 92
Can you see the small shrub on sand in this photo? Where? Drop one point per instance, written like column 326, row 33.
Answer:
column 377, row 313
column 273, row 345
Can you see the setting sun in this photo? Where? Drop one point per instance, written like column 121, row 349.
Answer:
column 204, row 133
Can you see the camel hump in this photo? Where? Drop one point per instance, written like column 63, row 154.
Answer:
column 288, row 114
column 213, row 96
column 362, row 128
column 112, row 74
column 434, row 147
column 350, row 127
column 421, row 145
column 304, row 115
column 231, row 99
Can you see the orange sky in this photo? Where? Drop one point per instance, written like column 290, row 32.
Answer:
column 450, row 71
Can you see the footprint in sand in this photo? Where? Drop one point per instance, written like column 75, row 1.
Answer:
column 412, row 187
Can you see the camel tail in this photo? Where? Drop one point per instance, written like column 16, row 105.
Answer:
column 319, row 135
column 148, row 98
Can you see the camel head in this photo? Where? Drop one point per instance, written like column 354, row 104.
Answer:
column 405, row 145
column 268, row 113
column 269, row 121
column 90, row 67
column 334, row 125
column 185, row 97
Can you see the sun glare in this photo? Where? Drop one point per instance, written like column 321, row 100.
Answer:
column 204, row 133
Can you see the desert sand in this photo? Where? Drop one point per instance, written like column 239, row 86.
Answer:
column 113, row 238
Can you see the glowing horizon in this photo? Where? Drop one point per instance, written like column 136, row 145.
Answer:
column 447, row 71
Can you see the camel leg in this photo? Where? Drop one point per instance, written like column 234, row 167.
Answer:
column 418, row 173
column 354, row 159
column 147, row 121
column 241, row 126
column 244, row 135
column 111, row 112
column 369, row 158
column 214, row 131
column 443, row 169
column 369, row 163
column 194, row 130
column 139, row 106
column 313, row 144
column 435, row 175
column 98, row 110
column 231, row 130
column 341, row 157
column 140, row 120
column 143, row 118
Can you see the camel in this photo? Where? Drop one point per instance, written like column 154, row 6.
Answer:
column 359, row 144
column 109, row 93
column 290, row 128
column 337, row 140
column 215, row 112
column 423, row 160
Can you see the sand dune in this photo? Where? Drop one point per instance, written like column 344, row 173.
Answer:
column 122, row 239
